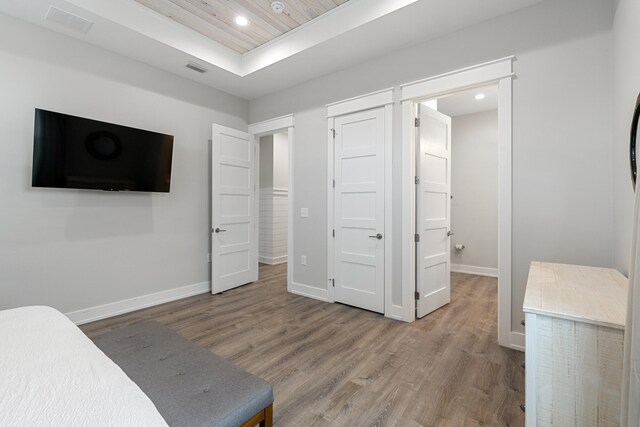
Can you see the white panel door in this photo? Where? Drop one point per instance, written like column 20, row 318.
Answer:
column 359, row 209
column 234, row 255
column 433, row 206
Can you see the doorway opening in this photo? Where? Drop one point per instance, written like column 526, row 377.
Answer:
column 274, row 142
column 498, row 72
column 456, row 198
column 273, row 199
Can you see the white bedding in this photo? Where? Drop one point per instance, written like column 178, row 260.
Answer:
column 51, row 374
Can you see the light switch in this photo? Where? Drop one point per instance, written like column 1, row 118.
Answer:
column 303, row 260
column 304, row 212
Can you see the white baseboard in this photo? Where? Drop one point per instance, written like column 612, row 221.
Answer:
column 99, row 312
column 272, row 261
column 471, row 269
column 309, row 291
column 517, row 341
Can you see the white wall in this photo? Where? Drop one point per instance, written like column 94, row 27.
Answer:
column 626, row 36
column 562, row 126
column 74, row 249
column 474, row 186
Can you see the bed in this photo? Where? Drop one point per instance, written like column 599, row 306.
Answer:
column 144, row 374
column 52, row 374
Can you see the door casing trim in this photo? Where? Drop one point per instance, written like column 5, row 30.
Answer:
column 499, row 71
column 269, row 127
column 383, row 98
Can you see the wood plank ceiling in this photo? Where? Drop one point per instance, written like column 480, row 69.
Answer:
column 215, row 18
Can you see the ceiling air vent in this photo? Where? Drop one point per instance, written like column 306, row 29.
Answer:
column 195, row 67
column 68, row 20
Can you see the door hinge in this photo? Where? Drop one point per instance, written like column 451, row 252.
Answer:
column 333, row 132
column 416, row 237
column 334, row 232
column 334, row 183
column 333, row 282
column 417, row 295
column 417, row 180
column 417, row 122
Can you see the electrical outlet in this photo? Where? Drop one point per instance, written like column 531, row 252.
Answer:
column 303, row 260
column 304, row 212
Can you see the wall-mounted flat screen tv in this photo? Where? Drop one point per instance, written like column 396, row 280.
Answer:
column 74, row 152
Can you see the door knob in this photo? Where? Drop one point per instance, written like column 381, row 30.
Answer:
column 450, row 233
column 377, row 236
column 218, row 230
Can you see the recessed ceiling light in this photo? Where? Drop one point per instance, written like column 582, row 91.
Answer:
column 479, row 96
column 241, row 20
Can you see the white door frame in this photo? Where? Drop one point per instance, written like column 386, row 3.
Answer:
column 269, row 127
column 499, row 71
column 382, row 98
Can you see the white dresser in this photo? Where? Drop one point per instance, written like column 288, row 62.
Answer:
column 574, row 336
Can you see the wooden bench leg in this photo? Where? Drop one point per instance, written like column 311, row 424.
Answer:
column 268, row 417
column 264, row 418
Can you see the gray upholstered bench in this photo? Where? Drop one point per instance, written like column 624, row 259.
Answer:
column 189, row 385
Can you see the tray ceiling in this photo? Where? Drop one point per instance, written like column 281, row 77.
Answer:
column 347, row 35
column 215, row 18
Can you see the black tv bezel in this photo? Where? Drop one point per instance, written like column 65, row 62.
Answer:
column 112, row 188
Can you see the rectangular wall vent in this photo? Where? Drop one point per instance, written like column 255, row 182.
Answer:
column 68, row 20
column 195, row 67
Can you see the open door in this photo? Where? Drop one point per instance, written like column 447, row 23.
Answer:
column 234, row 255
column 433, row 211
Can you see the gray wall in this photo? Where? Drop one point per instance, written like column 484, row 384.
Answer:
column 266, row 161
column 274, row 161
column 474, row 186
column 309, row 182
column 74, row 249
column 281, row 161
column 626, row 64
column 562, row 126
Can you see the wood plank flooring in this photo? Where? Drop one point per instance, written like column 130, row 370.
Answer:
column 334, row 365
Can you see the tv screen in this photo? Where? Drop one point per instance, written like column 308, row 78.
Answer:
column 74, row 152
